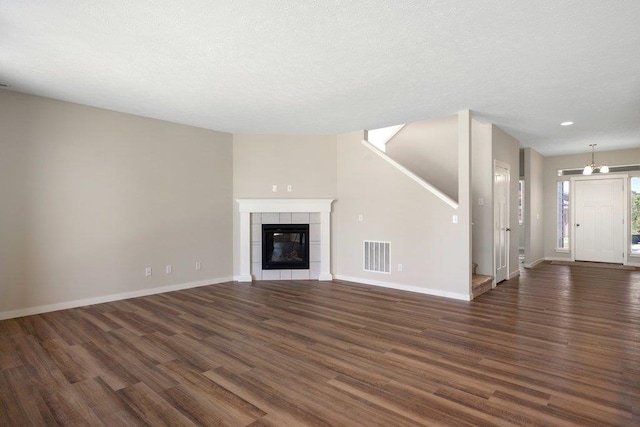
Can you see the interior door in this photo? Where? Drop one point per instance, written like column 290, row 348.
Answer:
column 501, row 220
column 599, row 220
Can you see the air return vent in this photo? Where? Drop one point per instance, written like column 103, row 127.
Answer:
column 376, row 256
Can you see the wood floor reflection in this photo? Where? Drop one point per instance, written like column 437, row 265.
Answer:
column 558, row 346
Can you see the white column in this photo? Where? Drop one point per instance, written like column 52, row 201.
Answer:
column 325, row 246
column 463, row 272
column 245, row 247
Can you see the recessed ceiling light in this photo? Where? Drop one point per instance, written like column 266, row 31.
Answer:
column 566, row 123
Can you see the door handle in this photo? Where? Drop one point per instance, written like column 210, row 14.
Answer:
column 577, row 225
column 507, row 229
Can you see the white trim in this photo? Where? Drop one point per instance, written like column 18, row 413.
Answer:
column 284, row 205
column 534, row 263
column 249, row 206
column 383, row 142
column 555, row 258
column 514, row 274
column 109, row 298
column 448, row 200
column 499, row 164
column 420, row 290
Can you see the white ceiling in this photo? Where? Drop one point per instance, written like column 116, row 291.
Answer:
column 328, row 67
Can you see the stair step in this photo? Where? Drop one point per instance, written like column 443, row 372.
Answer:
column 480, row 284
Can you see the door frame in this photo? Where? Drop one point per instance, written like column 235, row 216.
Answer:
column 507, row 167
column 625, row 209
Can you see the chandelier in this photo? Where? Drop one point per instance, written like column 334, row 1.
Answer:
column 589, row 169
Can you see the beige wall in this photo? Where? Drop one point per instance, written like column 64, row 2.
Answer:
column 92, row 197
column 306, row 162
column 534, row 209
column 429, row 148
column 395, row 209
column 551, row 166
column 506, row 150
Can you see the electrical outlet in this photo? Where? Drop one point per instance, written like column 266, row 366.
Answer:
column 198, row 265
column 399, row 267
column 168, row 269
column 455, row 219
column 289, row 188
column 274, row 188
column 147, row 272
column 360, row 217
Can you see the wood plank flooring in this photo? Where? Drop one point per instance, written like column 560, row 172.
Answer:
column 558, row 346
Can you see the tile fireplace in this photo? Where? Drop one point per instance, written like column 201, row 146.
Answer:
column 315, row 214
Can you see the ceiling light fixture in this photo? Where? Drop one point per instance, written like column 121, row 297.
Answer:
column 566, row 123
column 589, row 169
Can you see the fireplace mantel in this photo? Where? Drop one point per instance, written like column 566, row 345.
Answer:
column 249, row 206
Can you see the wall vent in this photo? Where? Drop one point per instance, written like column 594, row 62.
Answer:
column 376, row 256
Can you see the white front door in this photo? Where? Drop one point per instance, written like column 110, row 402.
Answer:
column 501, row 220
column 599, row 220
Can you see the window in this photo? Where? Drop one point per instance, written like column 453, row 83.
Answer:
column 563, row 215
column 521, row 202
column 635, row 215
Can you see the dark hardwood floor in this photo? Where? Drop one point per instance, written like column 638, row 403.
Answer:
column 558, row 346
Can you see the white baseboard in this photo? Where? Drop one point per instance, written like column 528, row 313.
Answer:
column 427, row 291
column 555, row 258
column 550, row 258
column 514, row 274
column 108, row 298
column 534, row 263
column 245, row 279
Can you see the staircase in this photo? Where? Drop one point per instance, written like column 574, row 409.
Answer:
column 479, row 283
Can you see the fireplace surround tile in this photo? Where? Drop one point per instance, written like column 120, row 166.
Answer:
column 314, row 252
column 285, row 274
column 314, row 270
column 270, row 274
column 270, row 218
column 285, row 218
column 300, row 275
column 256, row 233
column 256, row 270
column 314, row 233
column 256, row 252
column 300, row 218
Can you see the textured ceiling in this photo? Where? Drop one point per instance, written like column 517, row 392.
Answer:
column 290, row 66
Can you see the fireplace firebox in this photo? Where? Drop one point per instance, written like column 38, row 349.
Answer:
column 285, row 246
